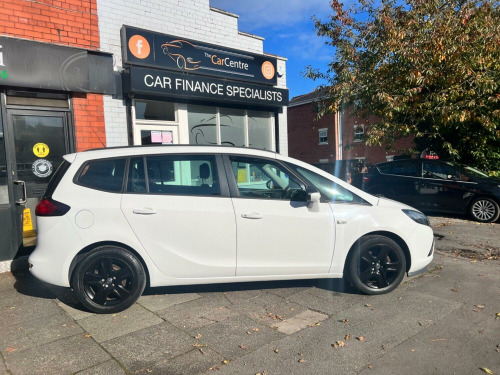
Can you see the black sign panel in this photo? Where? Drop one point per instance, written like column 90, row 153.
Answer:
column 141, row 47
column 165, row 83
column 25, row 63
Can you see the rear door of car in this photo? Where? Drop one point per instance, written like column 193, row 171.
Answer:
column 399, row 181
column 179, row 208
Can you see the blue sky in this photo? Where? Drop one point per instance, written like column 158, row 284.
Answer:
column 288, row 30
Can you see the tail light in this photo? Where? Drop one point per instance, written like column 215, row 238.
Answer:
column 366, row 179
column 51, row 207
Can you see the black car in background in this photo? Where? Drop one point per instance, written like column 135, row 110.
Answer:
column 437, row 186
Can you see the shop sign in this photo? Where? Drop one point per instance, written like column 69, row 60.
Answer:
column 146, row 48
column 165, row 83
column 26, row 63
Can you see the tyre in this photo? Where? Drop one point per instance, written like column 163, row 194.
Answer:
column 108, row 280
column 484, row 210
column 376, row 265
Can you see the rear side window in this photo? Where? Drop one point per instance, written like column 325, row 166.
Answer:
column 104, row 174
column 174, row 175
column 405, row 168
column 385, row 168
column 56, row 178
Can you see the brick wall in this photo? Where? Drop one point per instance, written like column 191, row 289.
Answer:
column 187, row 18
column 303, row 135
column 372, row 154
column 65, row 22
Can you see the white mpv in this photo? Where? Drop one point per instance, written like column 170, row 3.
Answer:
column 115, row 220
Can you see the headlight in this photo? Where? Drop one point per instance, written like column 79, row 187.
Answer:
column 417, row 217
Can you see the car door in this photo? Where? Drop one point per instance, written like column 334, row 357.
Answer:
column 442, row 189
column 400, row 182
column 276, row 233
column 179, row 208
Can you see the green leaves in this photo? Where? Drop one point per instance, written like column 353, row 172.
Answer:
column 429, row 69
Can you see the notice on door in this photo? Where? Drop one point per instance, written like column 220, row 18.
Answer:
column 41, row 150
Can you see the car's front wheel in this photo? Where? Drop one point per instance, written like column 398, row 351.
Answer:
column 108, row 280
column 484, row 210
column 377, row 265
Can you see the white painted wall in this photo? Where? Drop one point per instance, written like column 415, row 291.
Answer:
column 191, row 19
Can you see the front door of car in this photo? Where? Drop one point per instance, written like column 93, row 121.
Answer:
column 277, row 233
column 182, row 214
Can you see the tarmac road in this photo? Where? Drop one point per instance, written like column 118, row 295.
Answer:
column 441, row 322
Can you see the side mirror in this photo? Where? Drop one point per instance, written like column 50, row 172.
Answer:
column 313, row 199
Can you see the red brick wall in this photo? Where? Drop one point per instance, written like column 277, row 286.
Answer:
column 373, row 154
column 303, row 134
column 66, row 22
column 89, row 121
column 70, row 22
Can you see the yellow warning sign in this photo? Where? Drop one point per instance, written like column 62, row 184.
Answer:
column 41, row 150
column 242, row 175
column 27, row 222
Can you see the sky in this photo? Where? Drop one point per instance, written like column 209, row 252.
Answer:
column 288, row 29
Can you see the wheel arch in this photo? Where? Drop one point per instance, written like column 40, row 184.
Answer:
column 392, row 236
column 93, row 246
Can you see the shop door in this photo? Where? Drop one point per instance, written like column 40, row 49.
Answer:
column 38, row 141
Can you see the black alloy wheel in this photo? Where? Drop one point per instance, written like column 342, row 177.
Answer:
column 109, row 280
column 484, row 210
column 377, row 265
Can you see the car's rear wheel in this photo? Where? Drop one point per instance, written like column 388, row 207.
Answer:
column 484, row 210
column 376, row 265
column 108, row 280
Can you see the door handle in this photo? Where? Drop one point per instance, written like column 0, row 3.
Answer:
column 25, row 196
column 144, row 211
column 252, row 215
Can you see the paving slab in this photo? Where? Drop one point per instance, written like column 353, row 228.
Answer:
column 146, row 347
column 106, row 368
column 236, row 336
column 65, row 356
column 108, row 326
column 391, row 319
column 76, row 312
column 7, row 281
column 31, row 333
column 300, row 321
column 191, row 363
column 198, row 313
column 452, row 345
column 158, row 302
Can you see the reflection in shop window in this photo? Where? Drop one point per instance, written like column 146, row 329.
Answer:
column 4, row 193
column 202, row 124
column 259, row 130
column 154, row 110
column 232, row 127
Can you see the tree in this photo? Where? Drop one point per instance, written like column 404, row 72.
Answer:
column 425, row 68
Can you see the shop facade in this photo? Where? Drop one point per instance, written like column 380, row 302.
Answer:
column 84, row 74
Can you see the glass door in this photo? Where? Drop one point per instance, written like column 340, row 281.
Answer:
column 40, row 139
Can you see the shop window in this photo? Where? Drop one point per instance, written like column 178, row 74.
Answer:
column 323, row 136
column 223, row 126
column 232, row 127
column 154, row 110
column 260, row 130
column 202, row 124
column 359, row 132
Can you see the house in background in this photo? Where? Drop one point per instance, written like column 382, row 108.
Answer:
column 333, row 142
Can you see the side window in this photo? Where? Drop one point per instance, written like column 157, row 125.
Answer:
column 405, row 168
column 439, row 171
column 385, row 168
column 104, row 174
column 264, row 179
column 329, row 190
column 181, row 175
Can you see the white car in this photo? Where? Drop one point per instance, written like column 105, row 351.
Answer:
column 115, row 220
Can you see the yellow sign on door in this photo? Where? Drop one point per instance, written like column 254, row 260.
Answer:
column 41, row 150
column 27, row 222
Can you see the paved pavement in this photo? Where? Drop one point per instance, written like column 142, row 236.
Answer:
column 442, row 322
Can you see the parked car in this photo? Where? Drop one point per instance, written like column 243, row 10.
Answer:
column 437, row 186
column 115, row 220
